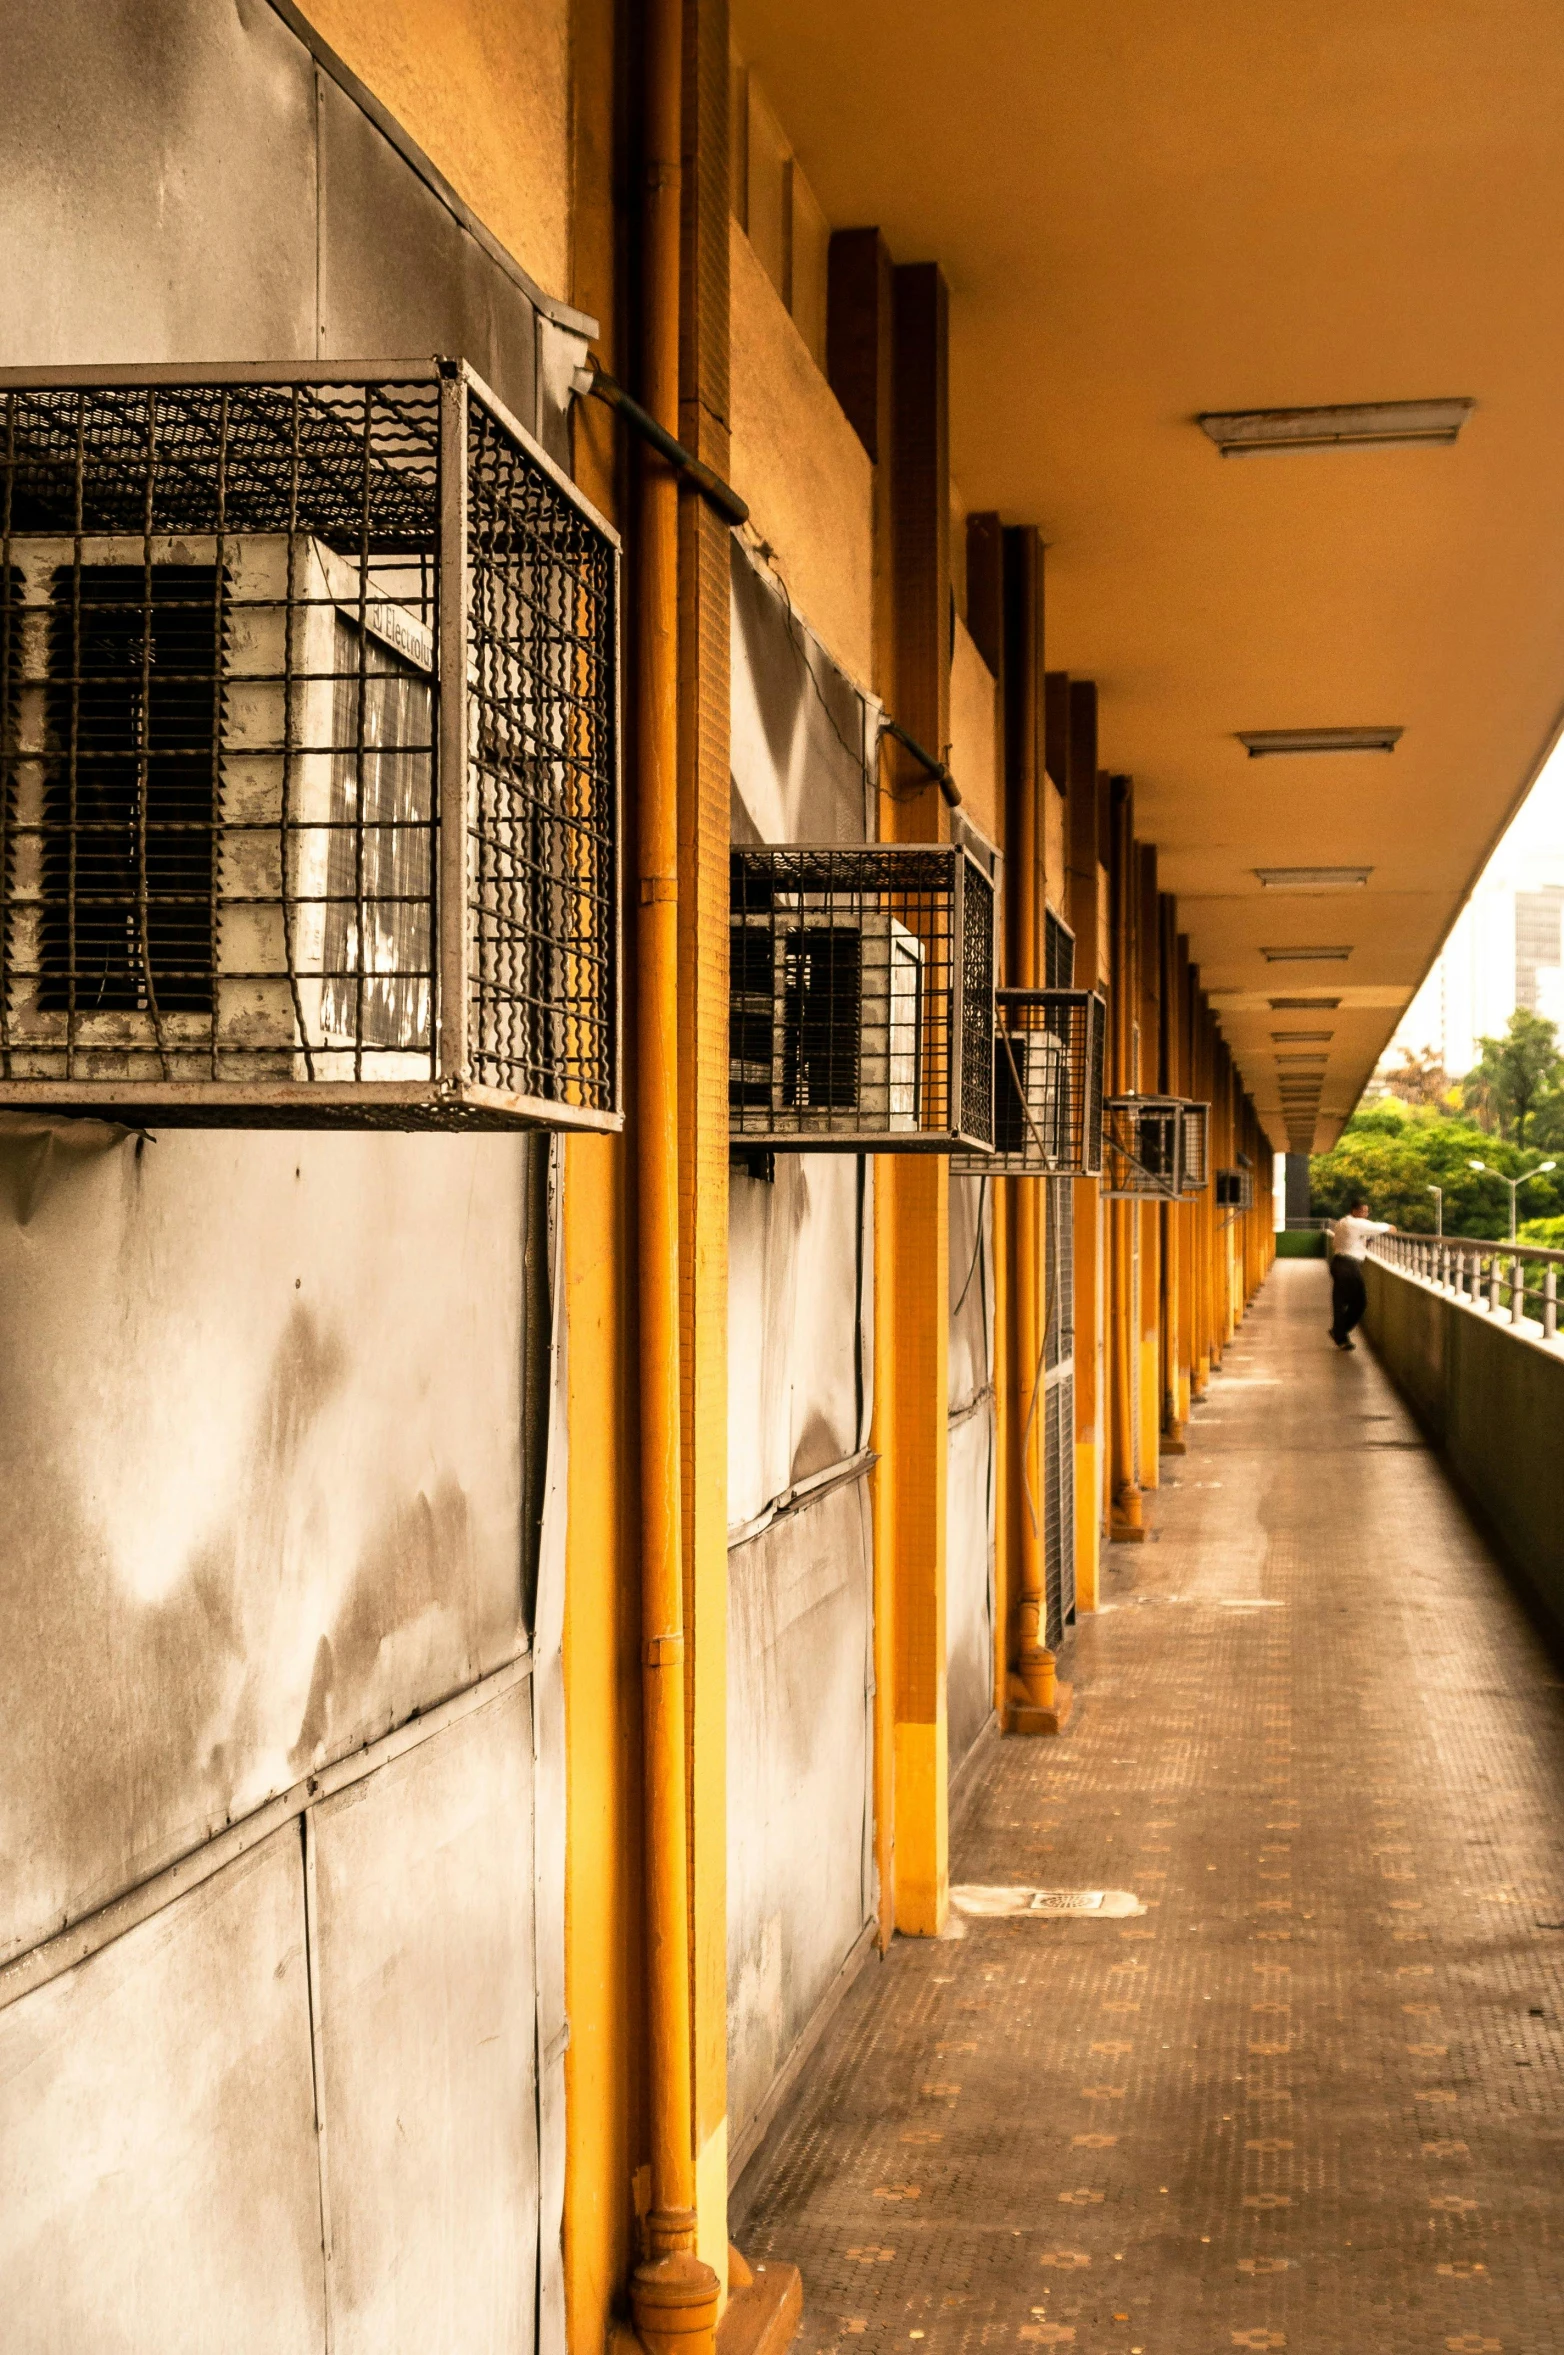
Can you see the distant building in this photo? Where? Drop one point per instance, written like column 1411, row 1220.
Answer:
column 1505, row 950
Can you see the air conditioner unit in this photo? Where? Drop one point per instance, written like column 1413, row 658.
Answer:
column 1144, row 1139
column 1048, row 1062
column 859, row 980
column 1195, row 1171
column 1235, row 1189
column 311, row 766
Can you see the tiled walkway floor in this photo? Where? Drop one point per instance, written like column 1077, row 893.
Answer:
column 1311, row 2099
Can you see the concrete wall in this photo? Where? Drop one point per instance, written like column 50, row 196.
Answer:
column 282, row 1810
column 1492, row 1400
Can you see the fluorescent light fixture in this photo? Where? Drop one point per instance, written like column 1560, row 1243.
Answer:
column 1313, row 878
column 1301, row 1038
column 1305, row 954
column 1316, row 1059
column 1304, row 1005
column 1241, row 433
column 1264, row 743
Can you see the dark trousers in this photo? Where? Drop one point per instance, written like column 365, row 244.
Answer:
column 1349, row 1295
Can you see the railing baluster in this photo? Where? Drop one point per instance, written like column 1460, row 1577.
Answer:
column 1550, row 1301
column 1517, row 1291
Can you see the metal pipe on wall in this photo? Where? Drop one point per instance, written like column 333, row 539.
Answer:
column 674, row 2295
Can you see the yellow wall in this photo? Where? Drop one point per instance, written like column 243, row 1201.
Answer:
column 973, row 734
column 801, row 467
column 484, row 88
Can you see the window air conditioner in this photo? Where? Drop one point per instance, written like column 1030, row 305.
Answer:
column 861, row 998
column 1144, row 1136
column 1195, row 1172
column 309, row 771
column 1235, row 1189
column 1048, row 1060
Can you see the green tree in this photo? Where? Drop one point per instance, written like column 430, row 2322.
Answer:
column 1390, row 1154
column 1515, row 1075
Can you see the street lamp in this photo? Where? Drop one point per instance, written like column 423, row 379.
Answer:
column 1438, row 1193
column 1514, row 1184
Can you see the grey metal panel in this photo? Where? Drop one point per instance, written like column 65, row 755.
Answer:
column 797, row 1340
column 971, row 1289
column 159, row 2188
column 427, row 2002
column 800, row 730
column 394, row 263
column 261, row 1470
column 800, row 1812
column 157, row 183
column 549, row 1808
column 969, row 1580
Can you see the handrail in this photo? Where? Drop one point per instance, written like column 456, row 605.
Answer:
column 1491, row 1277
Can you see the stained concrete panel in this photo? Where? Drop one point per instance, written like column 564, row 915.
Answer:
column 157, row 184
column 262, row 1474
column 969, row 1579
column 423, row 1883
column 800, row 1810
column 159, row 2191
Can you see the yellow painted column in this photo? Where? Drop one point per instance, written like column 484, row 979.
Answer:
column 704, row 805
column 920, row 500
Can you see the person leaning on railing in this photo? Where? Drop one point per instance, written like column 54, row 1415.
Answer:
column 1349, row 1242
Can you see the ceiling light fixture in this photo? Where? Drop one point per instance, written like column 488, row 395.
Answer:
column 1301, row 1038
column 1305, row 954
column 1266, row 743
column 1319, row 1059
column 1304, row 1005
column 1241, row 433
column 1313, row 878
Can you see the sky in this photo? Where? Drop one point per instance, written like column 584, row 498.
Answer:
column 1531, row 851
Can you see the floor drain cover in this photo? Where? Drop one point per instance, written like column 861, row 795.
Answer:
column 978, row 1898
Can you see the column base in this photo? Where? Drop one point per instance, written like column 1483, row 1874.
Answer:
column 1025, row 1717
column 674, row 2301
column 1126, row 1524
column 1173, row 1441
column 765, row 2307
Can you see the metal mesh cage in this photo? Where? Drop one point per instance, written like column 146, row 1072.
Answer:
column 861, row 998
column 1195, row 1169
column 1048, row 1061
column 1235, row 1189
column 1143, row 1140
column 1059, row 1506
column 310, row 804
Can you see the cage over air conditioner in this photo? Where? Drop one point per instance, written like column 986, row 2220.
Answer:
column 1048, row 1052
column 311, row 802
column 861, row 998
column 1235, row 1189
column 1143, row 1140
column 1195, row 1148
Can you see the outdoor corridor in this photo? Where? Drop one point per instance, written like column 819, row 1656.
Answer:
column 1308, row 2099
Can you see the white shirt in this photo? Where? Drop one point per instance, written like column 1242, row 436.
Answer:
column 1349, row 1237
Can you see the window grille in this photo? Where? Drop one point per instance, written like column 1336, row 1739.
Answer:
column 1143, row 1148
column 1235, row 1189
column 1195, row 1168
column 1058, row 952
column 309, row 754
column 861, row 1008
column 1048, row 1061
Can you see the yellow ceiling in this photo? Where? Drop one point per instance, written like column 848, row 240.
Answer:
column 1145, row 210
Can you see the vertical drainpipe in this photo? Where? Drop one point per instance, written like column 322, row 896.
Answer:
column 1126, row 1524
column 674, row 2295
column 1035, row 1663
